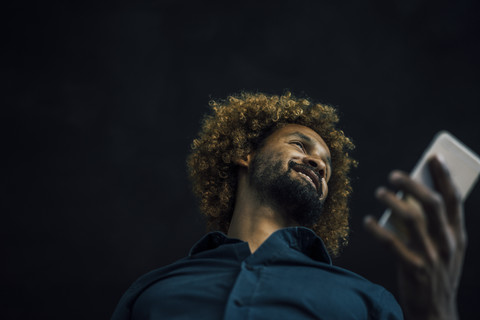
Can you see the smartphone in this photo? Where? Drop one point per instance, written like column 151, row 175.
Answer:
column 464, row 167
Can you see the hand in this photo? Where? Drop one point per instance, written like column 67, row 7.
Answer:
column 430, row 263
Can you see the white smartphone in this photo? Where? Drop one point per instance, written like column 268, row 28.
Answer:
column 464, row 167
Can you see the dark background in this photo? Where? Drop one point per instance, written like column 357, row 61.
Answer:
column 101, row 104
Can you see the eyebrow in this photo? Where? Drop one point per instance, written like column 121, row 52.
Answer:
column 309, row 140
column 302, row 136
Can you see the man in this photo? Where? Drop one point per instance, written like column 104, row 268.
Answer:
column 271, row 173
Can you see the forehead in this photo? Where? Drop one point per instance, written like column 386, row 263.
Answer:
column 292, row 129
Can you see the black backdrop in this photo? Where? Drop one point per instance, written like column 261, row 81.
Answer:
column 101, row 104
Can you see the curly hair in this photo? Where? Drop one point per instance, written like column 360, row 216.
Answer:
column 237, row 127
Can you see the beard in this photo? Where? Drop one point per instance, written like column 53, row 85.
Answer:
column 297, row 197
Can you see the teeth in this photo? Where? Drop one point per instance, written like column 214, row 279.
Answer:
column 309, row 179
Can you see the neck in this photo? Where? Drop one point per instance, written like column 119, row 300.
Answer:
column 254, row 220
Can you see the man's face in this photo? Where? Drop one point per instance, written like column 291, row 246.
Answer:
column 291, row 170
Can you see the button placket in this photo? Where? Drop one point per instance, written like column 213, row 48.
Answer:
column 243, row 292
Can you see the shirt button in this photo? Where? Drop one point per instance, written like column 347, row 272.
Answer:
column 238, row 302
column 248, row 267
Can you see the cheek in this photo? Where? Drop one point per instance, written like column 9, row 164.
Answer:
column 280, row 157
column 271, row 164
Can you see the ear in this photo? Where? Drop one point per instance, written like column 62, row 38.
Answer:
column 245, row 163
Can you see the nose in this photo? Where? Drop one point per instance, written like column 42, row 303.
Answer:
column 317, row 164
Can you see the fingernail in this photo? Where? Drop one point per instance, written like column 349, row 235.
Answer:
column 367, row 219
column 395, row 176
column 442, row 161
column 380, row 192
column 368, row 222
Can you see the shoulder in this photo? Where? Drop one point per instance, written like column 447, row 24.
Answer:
column 124, row 306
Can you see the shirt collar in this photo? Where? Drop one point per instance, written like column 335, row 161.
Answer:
column 211, row 241
column 298, row 238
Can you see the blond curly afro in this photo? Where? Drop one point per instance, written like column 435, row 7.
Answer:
column 237, row 127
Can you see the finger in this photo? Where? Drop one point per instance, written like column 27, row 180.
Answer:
column 444, row 184
column 410, row 216
column 392, row 201
column 389, row 239
column 431, row 203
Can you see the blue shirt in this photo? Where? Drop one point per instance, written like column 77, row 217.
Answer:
column 290, row 276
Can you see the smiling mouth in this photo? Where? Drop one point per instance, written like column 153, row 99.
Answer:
column 310, row 176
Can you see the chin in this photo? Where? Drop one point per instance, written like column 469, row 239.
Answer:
column 297, row 197
column 301, row 202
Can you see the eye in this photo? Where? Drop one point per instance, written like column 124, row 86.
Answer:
column 299, row 144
